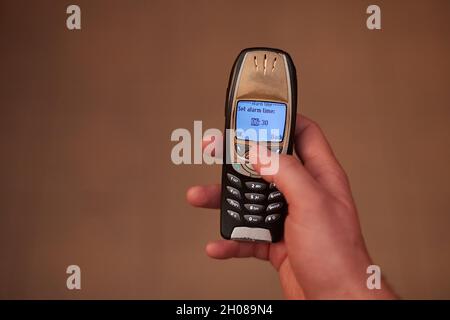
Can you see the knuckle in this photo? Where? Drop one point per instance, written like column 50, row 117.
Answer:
column 314, row 125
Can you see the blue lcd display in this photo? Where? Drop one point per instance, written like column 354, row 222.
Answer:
column 260, row 120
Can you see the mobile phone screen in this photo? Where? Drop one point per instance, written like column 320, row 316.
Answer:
column 260, row 120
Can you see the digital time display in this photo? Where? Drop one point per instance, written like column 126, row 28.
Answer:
column 260, row 120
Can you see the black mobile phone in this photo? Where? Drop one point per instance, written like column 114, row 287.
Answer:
column 260, row 108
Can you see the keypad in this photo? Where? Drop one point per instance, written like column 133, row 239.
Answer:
column 251, row 196
column 252, row 218
column 235, row 192
column 257, row 197
column 253, row 185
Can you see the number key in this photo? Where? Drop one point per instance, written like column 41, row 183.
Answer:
column 252, row 218
column 255, row 196
column 235, row 192
column 234, row 180
column 274, row 195
column 234, row 203
column 253, row 185
column 274, row 206
column 254, row 207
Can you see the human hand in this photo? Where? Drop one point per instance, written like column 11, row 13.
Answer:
column 323, row 255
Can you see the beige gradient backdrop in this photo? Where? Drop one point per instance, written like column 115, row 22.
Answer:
column 86, row 118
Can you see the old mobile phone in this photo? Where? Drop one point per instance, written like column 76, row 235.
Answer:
column 262, row 99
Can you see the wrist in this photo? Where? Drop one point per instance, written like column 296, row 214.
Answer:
column 350, row 282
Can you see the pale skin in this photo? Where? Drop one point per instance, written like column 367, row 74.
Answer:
column 323, row 254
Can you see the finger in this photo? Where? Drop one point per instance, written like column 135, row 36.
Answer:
column 226, row 249
column 290, row 177
column 318, row 157
column 207, row 196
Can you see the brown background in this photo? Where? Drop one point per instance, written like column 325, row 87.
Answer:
column 86, row 118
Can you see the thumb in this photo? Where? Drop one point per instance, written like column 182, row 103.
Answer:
column 288, row 174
